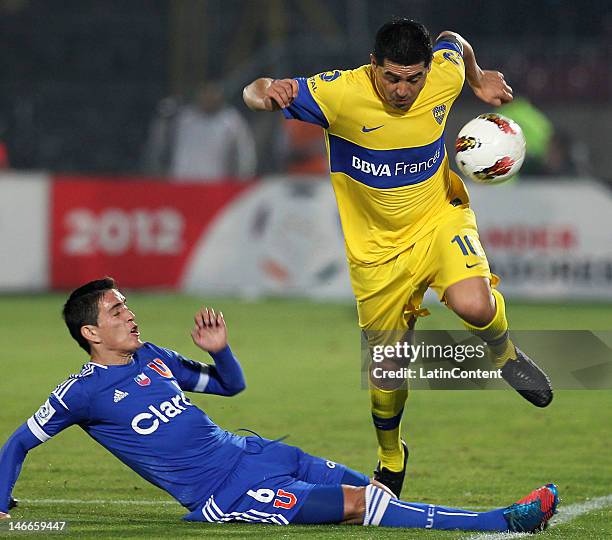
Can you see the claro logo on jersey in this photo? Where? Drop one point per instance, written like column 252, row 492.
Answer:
column 399, row 168
column 146, row 423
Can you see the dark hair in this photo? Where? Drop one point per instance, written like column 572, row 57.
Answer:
column 404, row 42
column 81, row 308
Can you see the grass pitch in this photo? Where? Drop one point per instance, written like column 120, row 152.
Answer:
column 474, row 449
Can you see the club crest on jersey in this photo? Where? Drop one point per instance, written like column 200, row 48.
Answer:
column 439, row 111
column 158, row 366
column 142, row 380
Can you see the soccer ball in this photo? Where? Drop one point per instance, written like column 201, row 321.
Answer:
column 490, row 149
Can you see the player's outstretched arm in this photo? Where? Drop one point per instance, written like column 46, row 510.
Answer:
column 210, row 334
column 12, row 456
column 267, row 94
column 490, row 86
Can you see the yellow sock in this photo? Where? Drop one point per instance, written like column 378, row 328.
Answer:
column 387, row 409
column 495, row 334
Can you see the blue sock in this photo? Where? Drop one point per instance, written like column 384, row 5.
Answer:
column 384, row 510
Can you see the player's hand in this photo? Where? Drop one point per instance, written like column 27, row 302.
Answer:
column 280, row 94
column 210, row 331
column 4, row 515
column 492, row 88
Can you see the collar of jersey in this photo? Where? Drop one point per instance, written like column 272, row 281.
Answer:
column 105, row 366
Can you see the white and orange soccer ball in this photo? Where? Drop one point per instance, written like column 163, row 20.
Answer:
column 490, row 149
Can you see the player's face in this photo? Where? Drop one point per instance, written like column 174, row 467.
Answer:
column 398, row 85
column 117, row 329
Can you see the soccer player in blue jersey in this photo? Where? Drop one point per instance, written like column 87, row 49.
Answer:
column 130, row 398
column 405, row 215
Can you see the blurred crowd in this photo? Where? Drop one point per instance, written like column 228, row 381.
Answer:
column 126, row 87
column 206, row 139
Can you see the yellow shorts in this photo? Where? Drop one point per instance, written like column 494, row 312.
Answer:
column 388, row 295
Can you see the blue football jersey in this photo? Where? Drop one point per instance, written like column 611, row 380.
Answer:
column 139, row 412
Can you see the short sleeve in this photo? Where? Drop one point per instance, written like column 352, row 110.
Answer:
column 449, row 43
column 319, row 98
column 449, row 66
column 67, row 405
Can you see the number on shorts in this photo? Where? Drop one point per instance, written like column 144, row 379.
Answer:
column 468, row 244
column 262, row 495
column 282, row 499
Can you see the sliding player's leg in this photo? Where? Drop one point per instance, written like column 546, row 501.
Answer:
column 280, row 484
column 463, row 280
column 284, row 500
column 372, row 506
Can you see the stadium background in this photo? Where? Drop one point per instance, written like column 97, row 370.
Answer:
column 81, row 84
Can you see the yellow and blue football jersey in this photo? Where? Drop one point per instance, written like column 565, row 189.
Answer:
column 389, row 168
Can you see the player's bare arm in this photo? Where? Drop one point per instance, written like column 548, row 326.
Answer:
column 267, row 94
column 488, row 85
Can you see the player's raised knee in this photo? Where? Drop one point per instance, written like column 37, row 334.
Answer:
column 474, row 307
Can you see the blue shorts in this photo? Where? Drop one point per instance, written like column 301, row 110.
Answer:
column 270, row 484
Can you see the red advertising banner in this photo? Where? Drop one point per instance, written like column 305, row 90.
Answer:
column 139, row 232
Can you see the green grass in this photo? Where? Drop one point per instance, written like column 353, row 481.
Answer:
column 301, row 359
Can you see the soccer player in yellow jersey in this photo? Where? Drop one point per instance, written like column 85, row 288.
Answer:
column 405, row 215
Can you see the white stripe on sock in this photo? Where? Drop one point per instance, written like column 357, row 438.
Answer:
column 397, row 502
column 380, row 510
column 456, row 514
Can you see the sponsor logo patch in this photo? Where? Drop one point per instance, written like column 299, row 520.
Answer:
column 146, row 423
column 119, row 395
column 453, row 57
column 44, row 413
column 330, row 76
column 367, row 129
